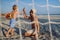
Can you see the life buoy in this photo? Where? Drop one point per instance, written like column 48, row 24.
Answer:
column 7, row 15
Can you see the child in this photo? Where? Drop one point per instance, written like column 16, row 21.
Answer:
column 13, row 16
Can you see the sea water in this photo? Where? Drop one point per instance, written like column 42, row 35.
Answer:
column 44, row 29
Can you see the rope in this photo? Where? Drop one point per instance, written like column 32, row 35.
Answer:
column 30, row 4
column 19, row 23
column 54, row 6
column 49, row 20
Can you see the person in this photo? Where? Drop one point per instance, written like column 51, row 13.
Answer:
column 35, row 26
column 13, row 16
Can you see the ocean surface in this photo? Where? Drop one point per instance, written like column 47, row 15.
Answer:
column 44, row 29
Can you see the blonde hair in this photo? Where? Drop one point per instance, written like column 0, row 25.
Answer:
column 34, row 10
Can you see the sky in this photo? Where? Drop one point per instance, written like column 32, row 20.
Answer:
column 6, row 6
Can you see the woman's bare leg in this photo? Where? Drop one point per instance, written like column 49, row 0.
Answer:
column 38, row 28
column 27, row 34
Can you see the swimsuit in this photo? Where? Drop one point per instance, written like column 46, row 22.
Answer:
column 12, row 22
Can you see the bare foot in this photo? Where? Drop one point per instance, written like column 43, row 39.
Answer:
column 12, row 34
column 7, row 35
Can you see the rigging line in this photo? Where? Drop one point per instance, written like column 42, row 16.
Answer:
column 49, row 20
column 40, row 5
column 30, row 4
column 19, row 23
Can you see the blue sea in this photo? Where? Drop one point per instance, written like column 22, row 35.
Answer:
column 44, row 29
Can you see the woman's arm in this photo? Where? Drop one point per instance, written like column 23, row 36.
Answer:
column 24, row 13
